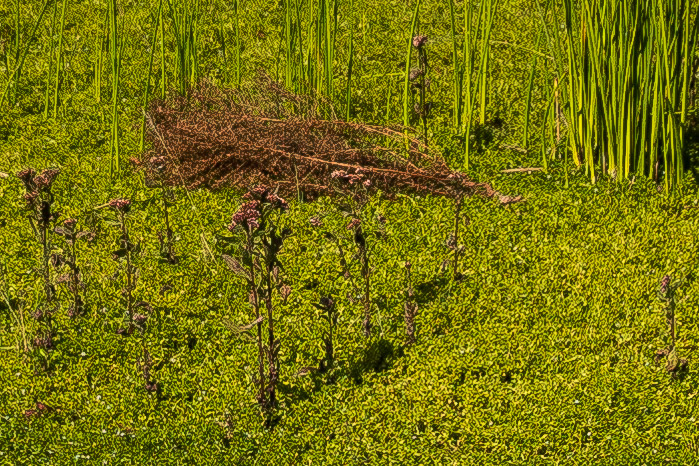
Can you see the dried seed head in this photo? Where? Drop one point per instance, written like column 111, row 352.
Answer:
column 419, row 41
column 316, row 222
column 27, row 177
column 43, row 342
column 46, row 178
column 285, row 291
column 120, row 205
column 354, row 224
column 30, row 197
column 152, row 386
column 416, row 73
column 70, row 223
column 139, row 319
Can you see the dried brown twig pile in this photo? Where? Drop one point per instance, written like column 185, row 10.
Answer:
column 266, row 135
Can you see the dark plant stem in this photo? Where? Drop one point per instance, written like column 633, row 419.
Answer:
column 422, row 59
column 271, row 344
column 75, row 275
column 410, row 308
column 366, row 275
column 261, row 397
column 129, row 268
column 457, row 223
column 169, row 235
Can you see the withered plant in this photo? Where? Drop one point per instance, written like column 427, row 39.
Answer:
column 329, row 314
column 353, row 209
column 420, row 83
column 259, row 265
column 145, row 364
column 154, row 179
column 266, row 135
column 39, row 202
column 124, row 254
column 673, row 363
column 459, row 219
column 69, row 258
column 410, row 305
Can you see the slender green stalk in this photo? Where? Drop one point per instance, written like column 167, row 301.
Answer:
column 350, row 62
column 528, row 105
column 115, row 49
column 14, row 77
column 50, row 69
column 99, row 62
column 163, row 77
column 59, row 60
column 146, row 92
column 237, row 45
column 408, row 55
column 458, row 75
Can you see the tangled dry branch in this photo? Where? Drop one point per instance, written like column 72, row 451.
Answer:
column 265, row 135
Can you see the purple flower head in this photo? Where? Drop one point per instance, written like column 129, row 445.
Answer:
column 120, row 205
column 266, row 196
column 665, row 284
column 419, row 41
column 45, row 342
column 247, row 216
column 152, row 386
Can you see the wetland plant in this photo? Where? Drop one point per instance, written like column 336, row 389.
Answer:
column 420, row 82
column 39, row 203
column 124, row 253
column 411, row 306
column 259, row 265
column 358, row 186
column 330, row 314
column 666, row 294
column 69, row 231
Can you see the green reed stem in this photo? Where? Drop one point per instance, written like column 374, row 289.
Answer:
column 59, row 60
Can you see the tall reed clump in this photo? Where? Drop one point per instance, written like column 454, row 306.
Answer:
column 116, row 48
column 308, row 63
column 185, row 22
column 21, row 55
column 259, row 265
column 624, row 69
column 470, row 97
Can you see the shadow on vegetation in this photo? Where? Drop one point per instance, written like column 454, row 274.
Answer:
column 429, row 290
column 378, row 357
column 692, row 141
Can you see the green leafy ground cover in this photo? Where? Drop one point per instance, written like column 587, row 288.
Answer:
column 544, row 353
